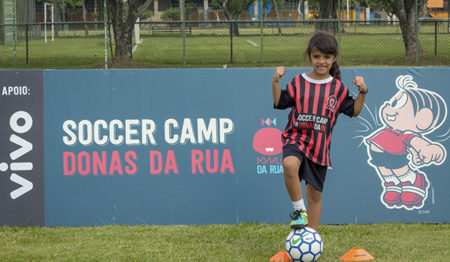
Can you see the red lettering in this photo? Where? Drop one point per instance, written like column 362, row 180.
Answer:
column 227, row 163
column 155, row 169
column 275, row 160
column 96, row 163
column 131, row 168
column 171, row 163
column 196, row 161
column 306, row 124
column 84, row 171
column 212, row 162
column 208, row 161
column 261, row 160
column 99, row 163
column 68, row 163
column 115, row 164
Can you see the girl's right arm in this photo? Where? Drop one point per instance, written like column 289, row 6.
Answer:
column 276, row 90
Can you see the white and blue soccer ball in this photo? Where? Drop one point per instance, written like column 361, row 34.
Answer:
column 304, row 245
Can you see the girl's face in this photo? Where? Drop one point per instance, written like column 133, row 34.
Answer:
column 321, row 63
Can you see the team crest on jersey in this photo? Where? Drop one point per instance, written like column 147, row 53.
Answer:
column 267, row 143
column 331, row 103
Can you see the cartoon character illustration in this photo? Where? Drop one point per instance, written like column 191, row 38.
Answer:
column 267, row 140
column 399, row 149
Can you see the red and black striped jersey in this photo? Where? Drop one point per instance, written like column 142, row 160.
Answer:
column 315, row 106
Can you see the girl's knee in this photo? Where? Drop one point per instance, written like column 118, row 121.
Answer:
column 291, row 165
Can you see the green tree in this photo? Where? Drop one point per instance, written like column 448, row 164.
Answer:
column 124, row 15
column 189, row 7
column 327, row 10
column 406, row 12
column 171, row 14
column 276, row 6
column 232, row 10
column 86, row 29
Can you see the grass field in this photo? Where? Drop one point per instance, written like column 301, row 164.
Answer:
column 240, row 242
column 211, row 47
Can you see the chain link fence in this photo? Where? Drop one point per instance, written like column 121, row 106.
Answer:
column 55, row 34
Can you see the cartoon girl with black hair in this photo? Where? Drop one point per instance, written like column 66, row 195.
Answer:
column 400, row 148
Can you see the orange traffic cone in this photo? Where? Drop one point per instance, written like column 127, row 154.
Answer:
column 281, row 256
column 356, row 254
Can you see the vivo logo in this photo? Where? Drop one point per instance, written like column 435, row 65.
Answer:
column 20, row 123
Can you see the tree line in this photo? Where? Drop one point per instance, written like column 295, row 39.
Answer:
column 124, row 14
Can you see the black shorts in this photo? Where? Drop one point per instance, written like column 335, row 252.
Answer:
column 309, row 171
column 388, row 160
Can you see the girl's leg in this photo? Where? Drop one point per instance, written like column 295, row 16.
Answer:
column 291, row 166
column 314, row 199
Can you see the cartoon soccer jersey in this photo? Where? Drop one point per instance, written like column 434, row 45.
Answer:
column 394, row 142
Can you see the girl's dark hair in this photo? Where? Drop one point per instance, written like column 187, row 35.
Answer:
column 326, row 44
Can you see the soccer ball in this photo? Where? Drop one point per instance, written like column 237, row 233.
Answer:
column 304, row 245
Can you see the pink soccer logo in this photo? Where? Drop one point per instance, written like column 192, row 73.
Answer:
column 267, row 140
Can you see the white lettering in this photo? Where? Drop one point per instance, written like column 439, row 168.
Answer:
column 148, row 129
column 207, row 134
column 225, row 127
column 16, row 127
column 130, row 131
column 15, row 90
column 115, row 132
column 24, row 148
column 100, row 125
column 137, row 132
column 21, row 166
column 20, row 122
column 85, row 132
column 187, row 132
column 68, row 126
column 112, row 132
column 199, row 133
column 25, row 186
column 167, row 134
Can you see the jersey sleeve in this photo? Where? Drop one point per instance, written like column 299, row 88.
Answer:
column 408, row 137
column 287, row 96
column 347, row 105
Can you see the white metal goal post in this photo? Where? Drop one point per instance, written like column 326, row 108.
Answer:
column 52, row 21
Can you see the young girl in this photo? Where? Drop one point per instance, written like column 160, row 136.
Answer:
column 316, row 99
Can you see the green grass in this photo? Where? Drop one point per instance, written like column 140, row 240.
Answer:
column 211, row 47
column 240, row 242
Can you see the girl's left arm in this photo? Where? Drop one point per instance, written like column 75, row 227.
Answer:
column 359, row 101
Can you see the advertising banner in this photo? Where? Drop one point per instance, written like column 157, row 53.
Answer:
column 203, row 146
column 140, row 147
column 21, row 148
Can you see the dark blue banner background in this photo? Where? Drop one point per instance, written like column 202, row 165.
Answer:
column 170, row 176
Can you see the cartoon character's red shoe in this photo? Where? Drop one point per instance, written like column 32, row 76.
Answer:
column 392, row 194
column 413, row 195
